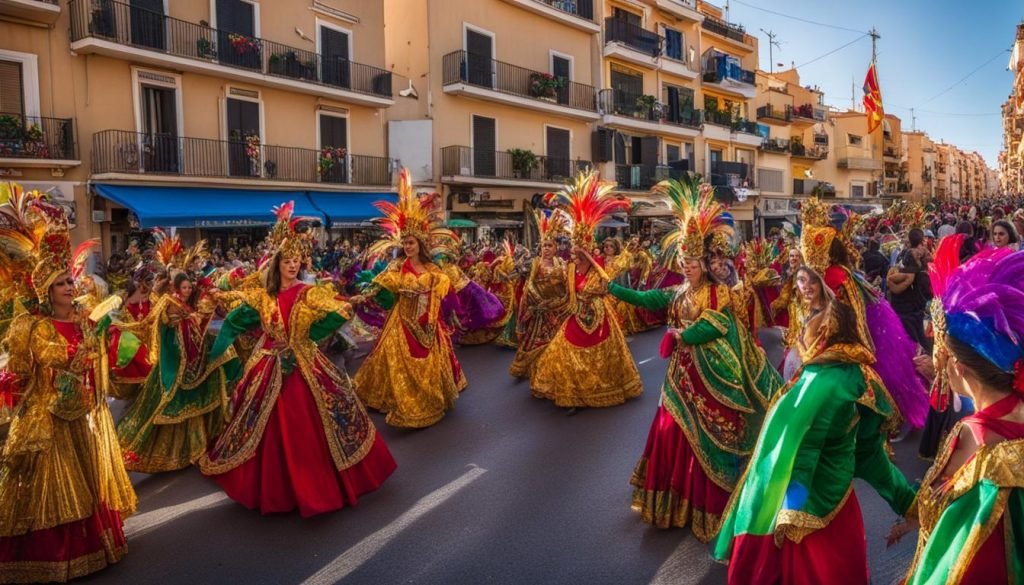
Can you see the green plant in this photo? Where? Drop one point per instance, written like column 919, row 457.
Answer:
column 645, row 103
column 205, row 47
column 34, row 132
column 523, row 161
column 545, row 85
column 329, row 158
column 11, row 127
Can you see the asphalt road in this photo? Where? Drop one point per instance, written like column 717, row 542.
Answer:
column 505, row 489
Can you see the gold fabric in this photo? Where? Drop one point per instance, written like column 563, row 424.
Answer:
column 544, row 305
column 413, row 391
column 61, row 459
column 668, row 509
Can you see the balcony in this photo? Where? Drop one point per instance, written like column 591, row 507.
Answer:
column 891, row 154
column 774, row 115
column 466, row 165
column 858, row 159
column 30, row 141
column 734, row 33
column 483, row 78
column 731, row 174
column 685, row 9
column 775, row 145
column 811, row 187
column 722, row 125
column 44, row 11
column 119, row 152
column 808, row 115
column 642, row 112
column 644, row 177
column 726, row 75
column 134, row 34
column 632, row 43
column 814, row 153
column 578, row 14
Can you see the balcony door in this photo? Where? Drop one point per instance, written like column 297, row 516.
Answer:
column 679, row 104
column 236, row 35
column 484, row 144
column 334, row 55
column 243, row 121
column 479, row 58
column 558, row 166
column 561, row 68
column 627, row 87
column 159, row 130
column 334, row 135
column 147, row 18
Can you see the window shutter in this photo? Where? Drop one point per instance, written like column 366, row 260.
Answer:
column 484, row 146
column 12, row 94
column 649, row 147
column 603, row 145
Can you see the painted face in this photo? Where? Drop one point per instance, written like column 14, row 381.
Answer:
column 62, row 291
column 411, row 247
column 693, row 271
column 795, row 259
column 289, row 268
column 809, row 287
column 1000, row 237
column 547, row 249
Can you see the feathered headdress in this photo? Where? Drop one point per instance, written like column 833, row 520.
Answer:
column 551, row 224
column 759, row 256
column 703, row 224
column 940, row 271
column 984, row 308
column 588, row 201
column 816, row 233
column 419, row 216
column 167, row 250
column 291, row 236
column 36, row 236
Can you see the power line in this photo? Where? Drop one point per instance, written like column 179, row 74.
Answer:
column 797, row 18
column 836, row 50
column 964, row 78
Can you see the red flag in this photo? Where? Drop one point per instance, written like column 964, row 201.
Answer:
column 873, row 99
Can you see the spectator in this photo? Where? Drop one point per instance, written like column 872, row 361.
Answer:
column 1004, row 235
column 874, row 263
column 909, row 294
column 947, row 228
column 970, row 246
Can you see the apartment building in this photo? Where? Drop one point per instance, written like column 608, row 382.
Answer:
column 920, row 165
column 202, row 114
column 1011, row 158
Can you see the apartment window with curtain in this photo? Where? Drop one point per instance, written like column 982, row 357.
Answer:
column 674, row 44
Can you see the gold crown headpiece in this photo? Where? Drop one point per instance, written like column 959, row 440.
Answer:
column 291, row 236
column 419, row 216
column 816, row 234
column 703, row 224
column 551, row 224
column 588, row 200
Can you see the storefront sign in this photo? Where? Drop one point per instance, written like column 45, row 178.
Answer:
column 228, row 223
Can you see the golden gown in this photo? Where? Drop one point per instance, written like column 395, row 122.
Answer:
column 544, row 306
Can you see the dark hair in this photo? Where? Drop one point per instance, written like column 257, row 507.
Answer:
column 424, row 254
column 1014, row 237
column 274, row 274
column 178, row 280
column 988, row 373
column 837, row 253
column 965, row 227
column 916, row 237
column 873, row 245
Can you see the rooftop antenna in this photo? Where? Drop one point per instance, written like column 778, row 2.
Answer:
column 913, row 121
column 772, row 43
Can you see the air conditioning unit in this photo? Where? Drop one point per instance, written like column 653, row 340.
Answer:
column 99, row 216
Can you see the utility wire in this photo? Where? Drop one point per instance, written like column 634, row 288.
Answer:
column 797, row 18
column 964, row 78
column 816, row 59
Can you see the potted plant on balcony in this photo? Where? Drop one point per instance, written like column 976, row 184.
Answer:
column 243, row 45
column 252, row 152
column 644, row 106
column 545, row 86
column 330, row 158
column 523, row 162
column 205, row 48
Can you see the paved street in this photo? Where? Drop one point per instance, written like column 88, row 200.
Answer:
column 506, row 489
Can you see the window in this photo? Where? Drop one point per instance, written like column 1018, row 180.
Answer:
column 557, row 149
column 770, row 180
column 627, row 86
column 334, row 44
column 243, row 127
column 12, row 91
column 853, row 140
column 627, row 16
column 678, row 104
column 674, row 44
column 857, row 190
column 479, row 55
column 561, row 67
column 238, row 17
column 334, row 136
column 672, row 152
column 484, row 145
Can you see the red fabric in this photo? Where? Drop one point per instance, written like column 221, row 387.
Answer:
column 661, row 280
column 835, row 277
column 673, row 467
column 292, row 467
column 834, row 555
column 575, row 334
column 139, row 310
column 668, row 345
column 989, row 564
column 67, row 542
column 137, row 368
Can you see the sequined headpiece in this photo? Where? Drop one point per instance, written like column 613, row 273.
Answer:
column 704, row 226
column 816, row 234
column 171, row 255
column 551, row 224
column 588, row 201
column 291, row 236
column 419, row 216
column 759, row 255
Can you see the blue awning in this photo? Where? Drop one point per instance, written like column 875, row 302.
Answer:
column 204, row 207
column 348, row 207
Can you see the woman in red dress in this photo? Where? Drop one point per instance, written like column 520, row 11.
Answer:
column 300, row 438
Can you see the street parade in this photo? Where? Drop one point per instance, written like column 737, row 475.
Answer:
column 648, row 373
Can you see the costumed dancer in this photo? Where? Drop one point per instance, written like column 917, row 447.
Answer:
column 509, row 279
column 479, row 310
column 717, row 386
column 970, row 505
column 138, row 295
column 784, row 308
column 667, row 273
column 64, row 492
column 794, row 517
column 370, row 316
column 587, row 363
column 412, row 374
column 183, row 404
column 300, row 438
column 545, row 302
column 762, row 280
column 498, row 276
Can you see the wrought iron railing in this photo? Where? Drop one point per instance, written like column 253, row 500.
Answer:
column 144, row 29
column 37, row 137
column 646, row 107
column 482, row 71
column 717, row 69
column 817, row 151
column 643, row 177
column 771, row 112
column 633, row 36
column 731, row 174
column 516, row 165
column 726, row 29
column 746, row 127
column 120, row 151
column 581, row 8
column 780, row 145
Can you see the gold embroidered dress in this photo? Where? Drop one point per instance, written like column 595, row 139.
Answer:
column 543, row 308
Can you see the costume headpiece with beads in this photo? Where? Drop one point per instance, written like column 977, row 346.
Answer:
column 551, row 224
column 588, row 200
column 816, row 234
column 416, row 215
column 704, row 225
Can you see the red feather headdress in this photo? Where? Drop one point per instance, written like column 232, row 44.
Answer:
column 418, row 215
column 589, row 201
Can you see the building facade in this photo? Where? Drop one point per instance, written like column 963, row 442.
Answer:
column 1011, row 158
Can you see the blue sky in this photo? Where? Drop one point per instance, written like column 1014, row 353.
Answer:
column 926, row 46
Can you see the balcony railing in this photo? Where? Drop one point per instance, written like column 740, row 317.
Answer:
column 726, row 29
column 34, row 137
column 473, row 162
column 581, row 8
column 770, row 112
column 891, row 152
column 812, row 187
column 779, row 145
column 644, row 107
column 731, row 174
column 725, row 118
column 817, row 152
column 746, row 127
column 119, row 151
column 644, row 177
column 152, row 31
column 482, row 71
column 718, row 69
column 633, row 36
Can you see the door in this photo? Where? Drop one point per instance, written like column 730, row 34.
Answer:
column 627, row 87
column 243, row 123
column 333, row 136
column 237, row 44
column 714, row 157
column 559, row 164
column 337, row 69
column 484, row 142
column 160, row 130
column 562, row 69
column 147, row 18
column 479, row 56
column 650, row 147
